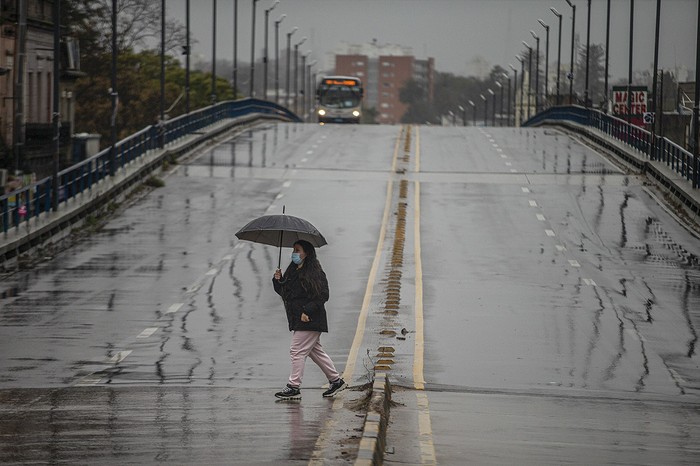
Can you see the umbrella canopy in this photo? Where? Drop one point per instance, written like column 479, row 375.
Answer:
column 281, row 230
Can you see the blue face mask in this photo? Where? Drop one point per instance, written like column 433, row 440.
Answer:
column 296, row 258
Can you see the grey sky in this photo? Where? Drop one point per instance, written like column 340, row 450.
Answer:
column 457, row 33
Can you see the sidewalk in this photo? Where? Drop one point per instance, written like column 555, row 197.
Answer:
column 40, row 234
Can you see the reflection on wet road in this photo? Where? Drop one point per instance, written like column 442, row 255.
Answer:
column 560, row 302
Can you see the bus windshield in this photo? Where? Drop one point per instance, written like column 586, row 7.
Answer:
column 340, row 96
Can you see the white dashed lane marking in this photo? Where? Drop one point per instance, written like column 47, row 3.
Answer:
column 550, row 233
column 540, row 217
column 119, row 357
column 574, row 263
column 174, row 308
column 147, row 332
column 533, row 203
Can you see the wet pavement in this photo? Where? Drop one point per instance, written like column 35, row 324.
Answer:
column 555, row 322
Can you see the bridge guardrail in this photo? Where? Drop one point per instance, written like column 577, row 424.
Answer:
column 648, row 145
column 32, row 200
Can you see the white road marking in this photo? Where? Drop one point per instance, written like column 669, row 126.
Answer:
column 509, row 164
column 304, row 160
column 574, row 263
column 238, row 246
column 560, row 248
column 174, row 308
column 589, row 282
column 513, row 170
column 525, row 190
column 211, row 272
column 119, row 357
column 147, row 332
column 228, row 257
column 550, row 233
column 287, row 184
column 541, row 218
column 279, row 196
column 533, row 203
column 92, row 379
column 504, row 156
column 498, row 149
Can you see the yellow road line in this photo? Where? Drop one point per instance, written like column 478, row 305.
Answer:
column 427, row 448
column 362, row 319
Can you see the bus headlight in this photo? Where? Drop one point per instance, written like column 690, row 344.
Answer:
column 355, row 113
column 321, row 112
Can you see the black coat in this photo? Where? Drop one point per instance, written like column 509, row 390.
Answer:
column 297, row 300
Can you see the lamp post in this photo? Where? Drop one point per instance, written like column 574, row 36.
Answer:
column 310, row 88
column 464, row 115
column 546, row 62
column 537, row 72
column 213, row 53
column 696, row 110
column 507, row 76
column 303, row 83
column 588, row 53
column 522, row 85
column 607, row 56
column 486, row 107
column 267, row 17
column 277, row 58
column 655, row 84
column 251, row 93
column 500, row 86
column 235, row 48
column 289, row 54
column 529, row 77
column 629, row 71
column 187, row 57
column 571, row 73
column 493, row 115
column 296, row 73
column 558, row 15
column 162, row 61
column 473, row 112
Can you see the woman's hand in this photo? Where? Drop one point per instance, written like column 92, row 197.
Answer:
column 278, row 274
column 305, row 318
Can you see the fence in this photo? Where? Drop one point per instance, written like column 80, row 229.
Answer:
column 31, row 201
column 648, row 145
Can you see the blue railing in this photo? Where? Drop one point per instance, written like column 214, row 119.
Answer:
column 649, row 146
column 32, row 200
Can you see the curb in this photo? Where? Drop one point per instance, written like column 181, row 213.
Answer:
column 373, row 441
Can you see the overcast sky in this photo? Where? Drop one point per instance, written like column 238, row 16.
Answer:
column 459, row 34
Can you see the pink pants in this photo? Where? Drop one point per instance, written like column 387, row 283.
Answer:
column 307, row 343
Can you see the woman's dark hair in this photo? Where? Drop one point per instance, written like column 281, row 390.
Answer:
column 310, row 275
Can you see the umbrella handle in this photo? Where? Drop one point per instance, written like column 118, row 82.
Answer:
column 279, row 259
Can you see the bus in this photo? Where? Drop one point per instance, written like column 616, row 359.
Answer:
column 339, row 99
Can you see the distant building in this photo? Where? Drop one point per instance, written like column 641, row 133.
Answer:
column 384, row 69
column 36, row 129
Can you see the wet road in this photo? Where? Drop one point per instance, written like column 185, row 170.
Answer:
column 550, row 309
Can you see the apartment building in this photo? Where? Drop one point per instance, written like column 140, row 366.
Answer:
column 384, row 69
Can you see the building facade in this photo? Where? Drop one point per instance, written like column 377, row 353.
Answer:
column 384, row 69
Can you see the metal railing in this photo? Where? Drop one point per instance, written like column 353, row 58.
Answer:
column 31, row 201
column 647, row 145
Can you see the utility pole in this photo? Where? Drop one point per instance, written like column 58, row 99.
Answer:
column 56, row 115
column 21, row 47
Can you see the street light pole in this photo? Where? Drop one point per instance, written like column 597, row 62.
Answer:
column 537, row 73
column 696, row 109
column 522, row 86
column 162, row 61
column 607, row 56
column 251, row 93
column 187, row 57
column 493, row 99
column 571, row 73
column 473, row 112
column 265, row 60
column 506, row 75
column 303, row 84
column 289, row 55
column 558, row 15
column 629, row 71
column 213, row 54
column 235, row 49
column 588, row 53
column 277, row 58
column 529, row 77
column 546, row 61
column 310, row 88
column 655, row 83
column 515, row 93
column 486, row 107
column 500, row 86
column 296, row 73
column 464, row 115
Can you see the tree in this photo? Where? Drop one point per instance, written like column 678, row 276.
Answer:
column 596, row 74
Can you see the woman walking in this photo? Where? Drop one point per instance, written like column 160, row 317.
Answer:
column 304, row 290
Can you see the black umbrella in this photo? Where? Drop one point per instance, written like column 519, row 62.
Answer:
column 282, row 231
